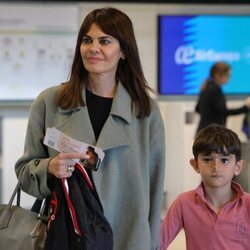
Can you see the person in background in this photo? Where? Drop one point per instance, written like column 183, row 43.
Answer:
column 106, row 102
column 246, row 125
column 215, row 215
column 211, row 103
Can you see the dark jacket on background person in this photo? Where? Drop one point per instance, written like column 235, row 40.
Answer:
column 212, row 106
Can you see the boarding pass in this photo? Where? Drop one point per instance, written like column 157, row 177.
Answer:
column 62, row 143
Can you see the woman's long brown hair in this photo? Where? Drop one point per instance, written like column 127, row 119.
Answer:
column 129, row 71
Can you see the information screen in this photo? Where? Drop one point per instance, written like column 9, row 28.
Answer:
column 188, row 45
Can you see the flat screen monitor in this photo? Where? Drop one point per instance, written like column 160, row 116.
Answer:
column 188, row 45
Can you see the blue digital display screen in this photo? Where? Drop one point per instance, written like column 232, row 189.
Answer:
column 188, row 45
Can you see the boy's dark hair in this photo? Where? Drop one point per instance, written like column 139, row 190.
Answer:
column 218, row 139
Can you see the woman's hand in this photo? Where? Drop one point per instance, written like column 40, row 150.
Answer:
column 62, row 166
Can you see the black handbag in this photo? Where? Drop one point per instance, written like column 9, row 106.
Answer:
column 20, row 228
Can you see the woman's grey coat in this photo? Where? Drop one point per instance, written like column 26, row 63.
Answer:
column 130, row 179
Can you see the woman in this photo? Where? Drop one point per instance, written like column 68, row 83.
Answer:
column 212, row 104
column 105, row 103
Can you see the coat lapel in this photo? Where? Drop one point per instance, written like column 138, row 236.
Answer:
column 72, row 126
column 112, row 134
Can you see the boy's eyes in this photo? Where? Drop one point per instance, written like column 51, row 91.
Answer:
column 210, row 159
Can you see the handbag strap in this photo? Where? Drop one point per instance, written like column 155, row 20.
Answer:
column 43, row 213
column 17, row 191
column 7, row 211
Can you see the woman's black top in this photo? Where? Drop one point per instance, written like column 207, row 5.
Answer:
column 99, row 108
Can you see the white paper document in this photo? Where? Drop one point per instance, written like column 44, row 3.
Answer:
column 62, row 143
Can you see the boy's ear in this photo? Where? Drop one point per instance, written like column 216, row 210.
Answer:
column 240, row 165
column 194, row 164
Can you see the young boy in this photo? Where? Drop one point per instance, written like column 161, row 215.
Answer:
column 216, row 215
